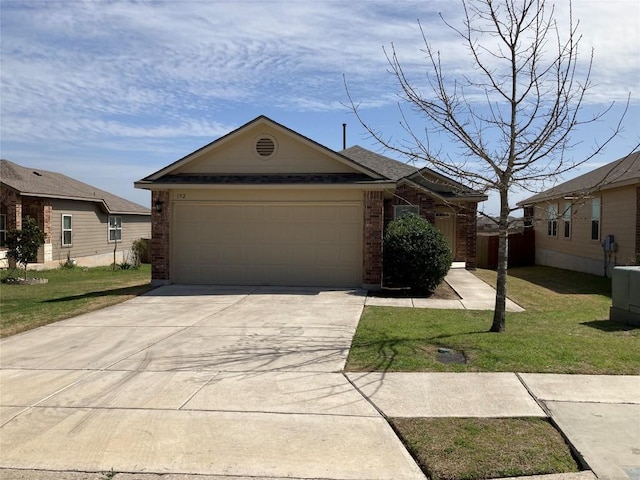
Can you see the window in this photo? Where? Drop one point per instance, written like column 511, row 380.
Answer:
column 595, row 219
column 552, row 220
column 400, row 210
column 3, row 230
column 566, row 217
column 115, row 229
column 67, row 230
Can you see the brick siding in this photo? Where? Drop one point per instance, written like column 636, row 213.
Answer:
column 373, row 229
column 407, row 195
column 466, row 221
column 160, row 237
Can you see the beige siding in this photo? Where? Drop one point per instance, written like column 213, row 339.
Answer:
column 238, row 156
column 90, row 230
column 618, row 218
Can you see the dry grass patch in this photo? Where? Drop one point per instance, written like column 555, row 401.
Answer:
column 477, row 448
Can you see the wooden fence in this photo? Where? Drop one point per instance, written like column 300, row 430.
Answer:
column 522, row 250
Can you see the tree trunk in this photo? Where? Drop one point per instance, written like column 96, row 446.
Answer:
column 503, row 257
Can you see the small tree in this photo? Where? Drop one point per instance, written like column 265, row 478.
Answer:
column 23, row 244
column 511, row 117
column 416, row 254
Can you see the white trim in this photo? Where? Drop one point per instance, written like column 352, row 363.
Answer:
column 116, row 228
column 63, row 230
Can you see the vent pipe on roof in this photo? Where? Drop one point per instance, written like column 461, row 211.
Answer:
column 344, row 136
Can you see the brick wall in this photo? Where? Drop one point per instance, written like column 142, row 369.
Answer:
column 40, row 210
column 373, row 229
column 407, row 195
column 466, row 221
column 12, row 206
column 160, row 237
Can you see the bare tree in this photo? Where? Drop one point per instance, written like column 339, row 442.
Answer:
column 511, row 119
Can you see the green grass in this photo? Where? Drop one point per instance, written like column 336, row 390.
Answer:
column 477, row 448
column 565, row 329
column 69, row 292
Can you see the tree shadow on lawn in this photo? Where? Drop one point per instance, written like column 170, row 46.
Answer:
column 607, row 325
column 563, row 281
column 388, row 350
column 134, row 290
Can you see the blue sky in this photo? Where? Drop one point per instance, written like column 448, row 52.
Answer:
column 109, row 92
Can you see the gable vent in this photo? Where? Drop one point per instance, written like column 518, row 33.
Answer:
column 265, row 146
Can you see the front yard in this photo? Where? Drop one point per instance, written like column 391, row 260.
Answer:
column 565, row 329
column 69, row 292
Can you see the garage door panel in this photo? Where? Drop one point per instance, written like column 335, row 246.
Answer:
column 251, row 244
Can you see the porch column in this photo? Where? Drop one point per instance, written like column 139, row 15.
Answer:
column 372, row 244
column 160, row 229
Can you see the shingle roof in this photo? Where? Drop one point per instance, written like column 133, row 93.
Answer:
column 625, row 170
column 390, row 168
column 34, row 182
column 423, row 177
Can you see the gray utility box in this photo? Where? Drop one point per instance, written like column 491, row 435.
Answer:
column 625, row 295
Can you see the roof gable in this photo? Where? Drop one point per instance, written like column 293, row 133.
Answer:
column 620, row 172
column 236, row 154
column 33, row 182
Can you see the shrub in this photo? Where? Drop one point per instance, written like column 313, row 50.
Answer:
column 416, row 254
column 140, row 251
column 23, row 245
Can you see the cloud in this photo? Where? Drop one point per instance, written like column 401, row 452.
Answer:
column 167, row 76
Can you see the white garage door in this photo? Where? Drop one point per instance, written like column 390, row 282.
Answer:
column 267, row 244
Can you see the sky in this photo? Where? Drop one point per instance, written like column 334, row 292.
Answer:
column 108, row 92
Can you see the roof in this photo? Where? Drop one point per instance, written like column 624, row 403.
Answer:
column 621, row 172
column 370, row 168
column 388, row 167
column 33, row 182
column 159, row 176
column 424, row 178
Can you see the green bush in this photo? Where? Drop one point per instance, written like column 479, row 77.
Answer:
column 416, row 254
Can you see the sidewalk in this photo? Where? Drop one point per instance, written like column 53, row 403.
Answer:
column 474, row 293
column 598, row 414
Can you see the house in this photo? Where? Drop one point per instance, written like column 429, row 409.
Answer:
column 592, row 222
column 264, row 205
column 80, row 222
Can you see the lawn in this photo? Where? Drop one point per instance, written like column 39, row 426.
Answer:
column 565, row 329
column 69, row 292
column 477, row 448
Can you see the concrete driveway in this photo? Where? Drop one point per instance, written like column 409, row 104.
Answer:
column 222, row 381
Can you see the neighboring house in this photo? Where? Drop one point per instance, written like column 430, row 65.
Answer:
column 591, row 223
column 80, row 222
column 489, row 226
column 264, row 205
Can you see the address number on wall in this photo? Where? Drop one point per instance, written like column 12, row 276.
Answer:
column 181, row 196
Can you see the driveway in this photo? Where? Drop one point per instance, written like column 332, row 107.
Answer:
column 228, row 381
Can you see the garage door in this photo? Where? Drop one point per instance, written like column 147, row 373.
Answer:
column 267, row 244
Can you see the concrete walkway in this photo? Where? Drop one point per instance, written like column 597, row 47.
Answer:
column 475, row 295
column 599, row 415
